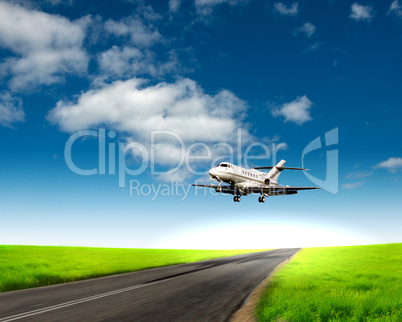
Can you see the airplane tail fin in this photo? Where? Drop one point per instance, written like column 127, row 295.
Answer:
column 275, row 172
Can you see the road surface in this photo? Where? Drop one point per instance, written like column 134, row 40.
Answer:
column 211, row 290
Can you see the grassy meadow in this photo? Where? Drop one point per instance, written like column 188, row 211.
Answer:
column 31, row 266
column 356, row 283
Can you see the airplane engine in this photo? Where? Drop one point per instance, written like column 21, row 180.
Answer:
column 224, row 189
column 267, row 181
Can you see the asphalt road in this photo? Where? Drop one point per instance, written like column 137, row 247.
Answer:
column 209, row 291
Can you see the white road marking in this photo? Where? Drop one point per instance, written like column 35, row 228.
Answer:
column 75, row 302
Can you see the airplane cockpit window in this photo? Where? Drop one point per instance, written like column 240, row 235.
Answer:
column 225, row 165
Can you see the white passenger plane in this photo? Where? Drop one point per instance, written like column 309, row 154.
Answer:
column 243, row 181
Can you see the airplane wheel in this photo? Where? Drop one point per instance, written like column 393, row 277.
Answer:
column 236, row 198
column 262, row 199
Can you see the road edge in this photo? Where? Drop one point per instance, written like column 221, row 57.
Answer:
column 246, row 313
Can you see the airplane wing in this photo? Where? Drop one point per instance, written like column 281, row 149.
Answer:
column 224, row 188
column 206, row 185
column 278, row 190
column 271, row 191
column 281, row 168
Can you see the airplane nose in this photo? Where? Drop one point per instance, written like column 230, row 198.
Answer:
column 213, row 172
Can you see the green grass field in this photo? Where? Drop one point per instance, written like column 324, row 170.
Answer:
column 31, row 266
column 357, row 283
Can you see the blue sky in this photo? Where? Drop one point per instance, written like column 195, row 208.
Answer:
column 283, row 73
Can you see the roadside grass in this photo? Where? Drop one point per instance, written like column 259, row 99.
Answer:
column 356, row 283
column 31, row 266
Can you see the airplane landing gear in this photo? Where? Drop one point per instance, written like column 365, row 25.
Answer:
column 236, row 198
column 261, row 199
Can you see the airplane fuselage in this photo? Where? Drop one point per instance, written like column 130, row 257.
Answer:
column 238, row 176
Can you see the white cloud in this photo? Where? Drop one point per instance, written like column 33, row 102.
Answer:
column 136, row 57
column 308, row 29
column 130, row 61
column 205, row 7
column 180, row 175
column 293, row 10
column 392, row 164
column 47, row 46
column 137, row 108
column 174, row 5
column 353, row 185
column 10, row 109
column 297, row 111
column 313, row 48
column 119, row 61
column 358, row 175
column 360, row 12
column 60, row 2
column 395, row 8
column 135, row 29
column 133, row 107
